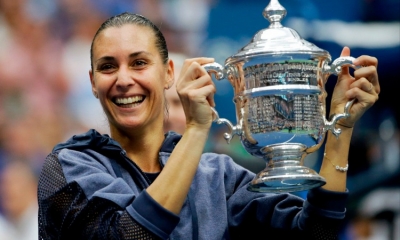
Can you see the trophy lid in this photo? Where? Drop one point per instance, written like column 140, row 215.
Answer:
column 277, row 39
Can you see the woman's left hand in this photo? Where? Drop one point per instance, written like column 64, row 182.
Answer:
column 364, row 87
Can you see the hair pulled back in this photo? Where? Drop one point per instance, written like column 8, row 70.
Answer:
column 135, row 19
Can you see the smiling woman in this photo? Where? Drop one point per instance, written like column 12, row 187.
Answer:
column 142, row 183
column 129, row 74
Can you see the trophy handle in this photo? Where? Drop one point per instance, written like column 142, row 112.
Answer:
column 220, row 73
column 330, row 125
column 336, row 66
column 232, row 129
column 217, row 69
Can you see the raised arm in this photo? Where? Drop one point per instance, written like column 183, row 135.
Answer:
column 196, row 91
column 364, row 87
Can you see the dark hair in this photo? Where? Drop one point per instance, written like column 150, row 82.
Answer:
column 131, row 18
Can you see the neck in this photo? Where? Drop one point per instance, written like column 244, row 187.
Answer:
column 143, row 149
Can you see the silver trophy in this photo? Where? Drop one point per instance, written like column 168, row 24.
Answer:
column 279, row 94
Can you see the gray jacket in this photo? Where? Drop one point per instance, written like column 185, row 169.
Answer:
column 104, row 196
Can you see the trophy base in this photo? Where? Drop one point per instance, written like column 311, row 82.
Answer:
column 286, row 179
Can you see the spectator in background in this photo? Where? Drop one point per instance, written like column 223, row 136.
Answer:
column 84, row 110
column 377, row 217
column 18, row 201
column 33, row 86
column 183, row 22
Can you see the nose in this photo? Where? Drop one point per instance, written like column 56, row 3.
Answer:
column 124, row 78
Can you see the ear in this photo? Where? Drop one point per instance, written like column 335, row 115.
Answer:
column 170, row 77
column 93, row 84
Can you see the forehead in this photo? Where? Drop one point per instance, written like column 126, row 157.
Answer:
column 129, row 37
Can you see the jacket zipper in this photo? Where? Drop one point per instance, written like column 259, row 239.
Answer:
column 123, row 154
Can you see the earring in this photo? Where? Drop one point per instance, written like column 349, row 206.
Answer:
column 95, row 95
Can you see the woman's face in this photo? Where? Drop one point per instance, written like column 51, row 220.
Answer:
column 129, row 77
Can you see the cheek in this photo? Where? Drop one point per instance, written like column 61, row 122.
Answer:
column 155, row 88
column 102, row 88
column 103, row 84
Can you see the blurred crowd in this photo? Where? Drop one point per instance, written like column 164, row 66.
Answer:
column 46, row 97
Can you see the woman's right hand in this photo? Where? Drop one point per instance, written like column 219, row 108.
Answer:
column 196, row 91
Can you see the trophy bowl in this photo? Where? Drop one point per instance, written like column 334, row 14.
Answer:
column 278, row 82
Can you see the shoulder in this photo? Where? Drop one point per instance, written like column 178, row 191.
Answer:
column 83, row 162
column 218, row 158
column 90, row 150
column 88, row 140
column 222, row 162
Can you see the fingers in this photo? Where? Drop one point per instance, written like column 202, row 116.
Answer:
column 345, row 52
column 362, row 85
column 368, row 71
column 194, row 76
column 366, row 61
column 202, row 86
column 365, row 77
column 365, row 85
column 198, row 61
column 364, row 91
column 371, row 87
column 370, row 74
column 192, row 70
column 196, row 89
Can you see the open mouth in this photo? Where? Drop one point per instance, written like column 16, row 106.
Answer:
column 129, row 101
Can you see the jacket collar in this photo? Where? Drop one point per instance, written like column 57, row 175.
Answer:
column 103, row 142
column 170, row 141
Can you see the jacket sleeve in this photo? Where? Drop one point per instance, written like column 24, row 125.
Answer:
column 283, row 215
column 66, row 212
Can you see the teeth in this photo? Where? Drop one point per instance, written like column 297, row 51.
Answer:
column 129, row 100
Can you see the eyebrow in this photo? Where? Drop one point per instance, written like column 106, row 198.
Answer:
column 132, row 55
column 105, row 58
column 135, row 54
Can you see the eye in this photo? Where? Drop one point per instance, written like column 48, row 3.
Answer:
column 106, row 68
column 139, row 63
